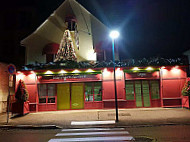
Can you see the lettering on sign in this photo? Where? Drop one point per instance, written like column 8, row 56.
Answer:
column 141, row 74
column 72, row 77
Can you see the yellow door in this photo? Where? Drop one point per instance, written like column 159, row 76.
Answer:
column 63, row 96
column 77, row 96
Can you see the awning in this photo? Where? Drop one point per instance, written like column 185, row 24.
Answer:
column 50, row 48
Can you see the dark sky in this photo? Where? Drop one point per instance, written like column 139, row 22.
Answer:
column 148, row 28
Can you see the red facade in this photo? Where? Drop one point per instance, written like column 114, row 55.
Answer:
column 157, row 88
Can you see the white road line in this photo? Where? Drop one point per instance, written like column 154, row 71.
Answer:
column 122, row 138
column 92, row 122
column 93, row 129
column 93, row 133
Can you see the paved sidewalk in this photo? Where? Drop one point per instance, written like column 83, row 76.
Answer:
column 127, row 117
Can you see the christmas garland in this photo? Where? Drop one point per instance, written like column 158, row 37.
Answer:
column 71, row 64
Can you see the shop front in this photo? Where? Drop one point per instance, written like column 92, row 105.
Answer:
column 51, row 90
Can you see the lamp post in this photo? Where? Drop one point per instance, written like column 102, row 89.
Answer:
column 114, row 35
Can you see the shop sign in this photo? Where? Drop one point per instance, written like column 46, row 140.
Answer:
column 73, row 77
column 140, row 75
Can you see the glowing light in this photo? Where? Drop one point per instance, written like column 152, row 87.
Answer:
column 32, row 75
column 20, row 76
column 119, row 73
column 89, row 70
column 176, row 67
column 62, row 71
column 163, row 67
column 149, row 68
column 135, row 69
column 76, row 71
column 48, row 72
column 32, row 72
column 114, row 34
column 106, row 73
column 175, row 70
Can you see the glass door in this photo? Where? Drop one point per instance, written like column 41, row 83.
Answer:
column 142, row 93
column 145, row 93
column 138, row 94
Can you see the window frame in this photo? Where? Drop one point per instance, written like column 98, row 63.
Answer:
column 93, row 86
column 46, row 96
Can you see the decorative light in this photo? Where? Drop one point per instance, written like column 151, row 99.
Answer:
column 48, row 72
column 32, row 72
column 135, row 69
column 89, row 70
column 62, row 71
column 114, row 34
column 119, row 73
column 163, row 67
column 20, row 76
column 149, row 68
column 106, row 73
column 175, row 70
column 32, row 75
column 76, row 71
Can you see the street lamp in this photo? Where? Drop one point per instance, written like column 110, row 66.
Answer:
column 114, row 35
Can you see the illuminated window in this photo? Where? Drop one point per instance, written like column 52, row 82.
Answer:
column 46, row 93
column 154, row 88
column 93, row 91
column 129, row 86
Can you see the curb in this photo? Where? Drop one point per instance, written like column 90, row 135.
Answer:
column 69, row 126
column 29, row 127
column 150, row 125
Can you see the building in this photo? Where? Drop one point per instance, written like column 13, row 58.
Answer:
column 62, row 72
column 85, row 32
column 4, row 86
column 65, row 88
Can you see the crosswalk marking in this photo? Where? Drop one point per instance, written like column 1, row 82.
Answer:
column 92, row 122
column 121, row 138
column 92, row 133
column 92, row 129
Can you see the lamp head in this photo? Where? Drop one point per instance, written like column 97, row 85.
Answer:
column 114, row 34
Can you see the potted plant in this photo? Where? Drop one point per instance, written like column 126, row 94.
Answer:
column 21, row 106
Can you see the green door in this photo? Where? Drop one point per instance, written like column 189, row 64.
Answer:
column 142, row 93
column 146, row 93
column 77, row 95
column 63, row 96
column 138, row 93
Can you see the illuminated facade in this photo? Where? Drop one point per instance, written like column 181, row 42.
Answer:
column 85, row 34
column 59, row 89
column 72, row 34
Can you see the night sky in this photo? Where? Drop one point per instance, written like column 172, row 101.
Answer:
column 148, row 28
